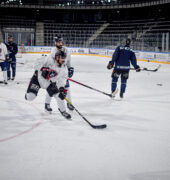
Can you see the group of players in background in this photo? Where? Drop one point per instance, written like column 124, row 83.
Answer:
column 8, row 60
column 52, row 72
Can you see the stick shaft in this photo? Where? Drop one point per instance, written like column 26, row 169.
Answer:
column 146, row 69
column 89, row 87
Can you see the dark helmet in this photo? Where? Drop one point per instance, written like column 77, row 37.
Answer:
column 58, row 38
column 60, row 53
column 128, row 41
column 10, row 37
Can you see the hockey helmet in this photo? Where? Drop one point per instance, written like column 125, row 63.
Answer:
column 58, row 38
column 10, row 37
column 128, row 41
column 61, row 54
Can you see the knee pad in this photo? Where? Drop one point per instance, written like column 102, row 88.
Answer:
column 13, row 65
column 115, row 74
column 125, row 75
column 30, row 96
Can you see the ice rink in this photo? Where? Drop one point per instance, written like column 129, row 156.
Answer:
column 135, row 145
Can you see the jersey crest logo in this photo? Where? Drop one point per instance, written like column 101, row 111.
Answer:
column 52, row 74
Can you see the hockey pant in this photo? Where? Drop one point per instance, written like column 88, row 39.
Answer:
column 115, row 76
column 60, row 103
column 34, row 87
column 11, row 65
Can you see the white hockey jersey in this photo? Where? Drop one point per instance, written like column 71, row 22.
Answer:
column 68, row 57
column 49, row 62
column 3, row 51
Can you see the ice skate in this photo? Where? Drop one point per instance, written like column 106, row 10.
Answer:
column 114, row 93
column 48, row 108
column 65, row 114
column 121, row 95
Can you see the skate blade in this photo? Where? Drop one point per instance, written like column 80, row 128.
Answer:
column 48, row 112
column 68, row 119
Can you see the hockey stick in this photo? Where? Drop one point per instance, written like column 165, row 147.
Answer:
column 17, row 62
column 11, row 61
column 146, row 69
column 90, row 87
column 93, row 126
column 20, row 63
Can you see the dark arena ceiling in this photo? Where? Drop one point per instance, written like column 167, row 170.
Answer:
column 82, row 3
column 85, row 10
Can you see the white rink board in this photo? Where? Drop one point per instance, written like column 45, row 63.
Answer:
column 149, row 56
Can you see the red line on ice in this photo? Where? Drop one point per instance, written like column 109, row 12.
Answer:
column 26, row 131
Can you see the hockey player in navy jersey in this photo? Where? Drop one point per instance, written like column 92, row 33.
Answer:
column 12, row 50
column 120, row 63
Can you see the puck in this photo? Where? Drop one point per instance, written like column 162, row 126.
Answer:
column 159, row 84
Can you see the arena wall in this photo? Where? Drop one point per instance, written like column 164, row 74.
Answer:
column 158, row 57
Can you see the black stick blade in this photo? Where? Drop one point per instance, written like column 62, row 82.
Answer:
column 99, row 126
column 157, row 68
column 109, row 95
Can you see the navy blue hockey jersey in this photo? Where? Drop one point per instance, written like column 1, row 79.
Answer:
column 12, row 49
column 122, row 58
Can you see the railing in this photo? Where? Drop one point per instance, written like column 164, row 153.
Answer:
column 77, row 4
column 145, row 34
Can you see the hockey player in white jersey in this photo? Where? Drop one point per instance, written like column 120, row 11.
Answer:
column 3, row 59
column 50, row 74
column 59, row 46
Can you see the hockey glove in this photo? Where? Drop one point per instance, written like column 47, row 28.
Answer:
column 62, row 93
column 8, row 59
column 110, row 66
column 52, row 89
column 137, row 68
column 70, row 72
column 45, row 71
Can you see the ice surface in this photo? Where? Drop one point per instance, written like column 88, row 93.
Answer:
column 135, row 145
